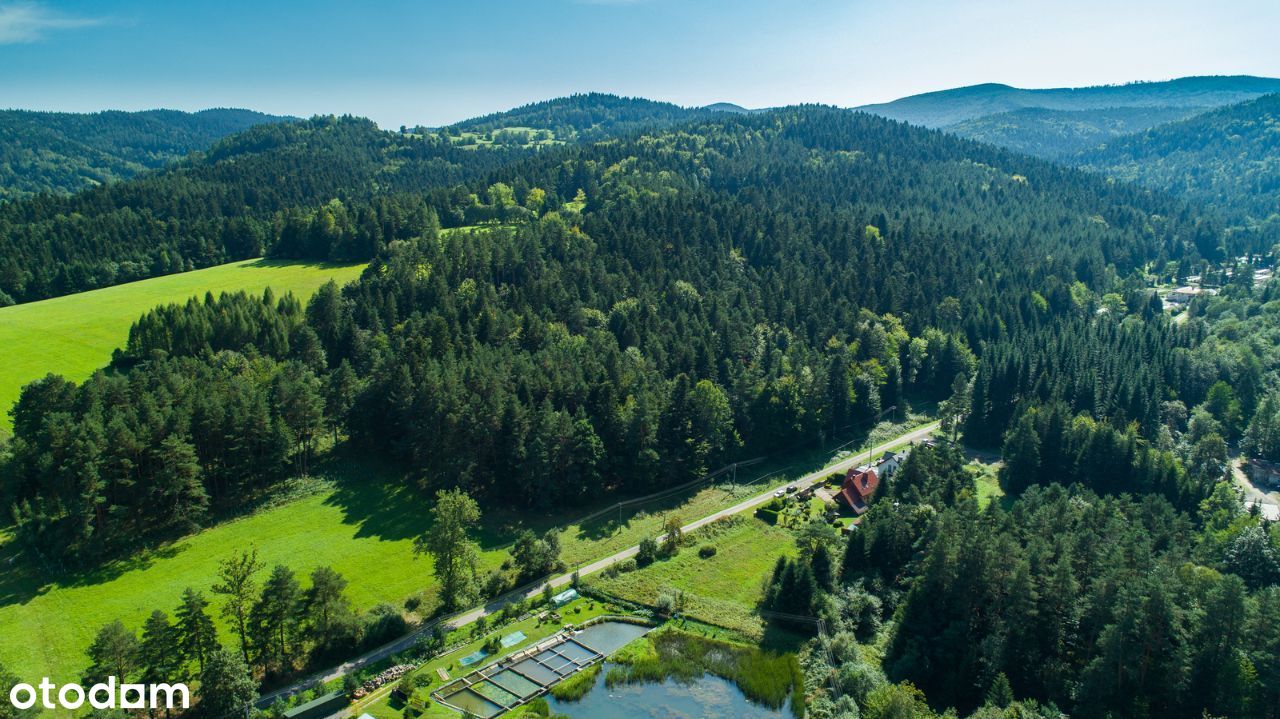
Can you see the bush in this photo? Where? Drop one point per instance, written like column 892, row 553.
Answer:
column 627, row 565
column 707, row 551
column 648, row 552
column 408, row 684
column 496, row 584
column 382, row 624
column 767, row 515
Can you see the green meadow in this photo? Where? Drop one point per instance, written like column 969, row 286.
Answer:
column 722, row 589
column 75, row 334
column 357, row 522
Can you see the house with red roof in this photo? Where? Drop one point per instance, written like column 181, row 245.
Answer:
column 859, row 486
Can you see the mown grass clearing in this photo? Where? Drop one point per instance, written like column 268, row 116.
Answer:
column 75, row 334
column 363, row 528
column 988, row 484
column 722, row 589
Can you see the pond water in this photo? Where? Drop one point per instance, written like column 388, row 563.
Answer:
column 709, row 697
column 608, row 637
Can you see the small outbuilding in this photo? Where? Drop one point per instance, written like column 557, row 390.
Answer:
column 321, row 706
column 564, row 597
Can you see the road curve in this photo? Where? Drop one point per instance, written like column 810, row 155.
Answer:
column 458, row 620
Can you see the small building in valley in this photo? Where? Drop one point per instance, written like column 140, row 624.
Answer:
column 858, row 487
column 888, row 463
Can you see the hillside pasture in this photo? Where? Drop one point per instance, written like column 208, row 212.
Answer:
column 75, row 334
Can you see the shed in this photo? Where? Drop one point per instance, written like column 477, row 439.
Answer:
column 321, row 706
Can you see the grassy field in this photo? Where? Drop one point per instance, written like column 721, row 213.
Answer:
column 75, row 335
column 723, row 589
column 362, row 528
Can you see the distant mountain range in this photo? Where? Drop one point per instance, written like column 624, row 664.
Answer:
column 1215, row 140
column 1211, row 139
column 950, row 107
column 65, row 152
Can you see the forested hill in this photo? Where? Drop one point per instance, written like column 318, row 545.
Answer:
column 1061, row 134
column 221, row 205
column 1228, row 158
column 742, row 284
column 587, row 117
column 66, row 152
column 948, row 107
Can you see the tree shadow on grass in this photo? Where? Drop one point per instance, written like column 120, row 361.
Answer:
column 383, row 503
column 264, row 263
column 24, row 577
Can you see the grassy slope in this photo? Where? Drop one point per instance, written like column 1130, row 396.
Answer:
column 75, row 334
column 723, row 589
column 362, row 528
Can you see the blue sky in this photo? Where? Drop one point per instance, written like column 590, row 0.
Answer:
column 434, row 62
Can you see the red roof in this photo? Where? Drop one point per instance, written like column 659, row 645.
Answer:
column 859, row 485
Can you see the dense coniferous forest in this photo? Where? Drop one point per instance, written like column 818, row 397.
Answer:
column 1067, row 601
column 1061, row 134
column 1227, row 159
column 63, row 152
column 586, row 118
column 753, row 280
column 226, row 204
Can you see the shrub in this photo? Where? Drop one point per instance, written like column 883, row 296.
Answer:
column 382, row 624
column 627, row 565
column 350, row 684
column 707, row 551
column 496, row 584
column 768, row 515
column 408, row 684
column 648, row 552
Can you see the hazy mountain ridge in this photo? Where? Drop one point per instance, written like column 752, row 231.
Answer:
column 944, row 108
column 1059, row 134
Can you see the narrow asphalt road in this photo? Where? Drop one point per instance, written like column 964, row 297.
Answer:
column 495, row 606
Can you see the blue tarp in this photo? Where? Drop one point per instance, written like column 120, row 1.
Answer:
column 473, row 657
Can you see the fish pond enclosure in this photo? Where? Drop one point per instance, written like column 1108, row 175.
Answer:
column 528, row 674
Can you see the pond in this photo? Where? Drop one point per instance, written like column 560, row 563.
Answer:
column 708, row 697
column 608, row 637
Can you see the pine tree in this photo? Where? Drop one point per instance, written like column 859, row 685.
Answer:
column 275, row 619
column 196, row 635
